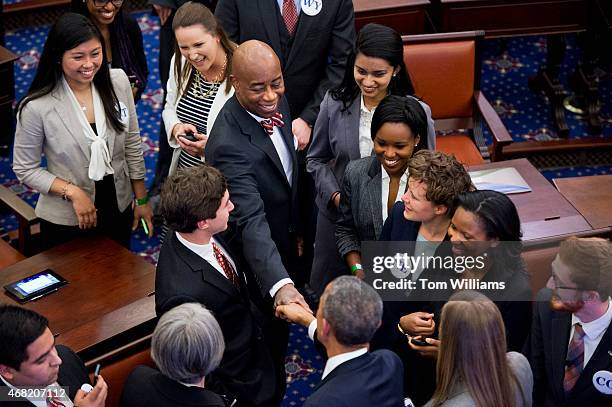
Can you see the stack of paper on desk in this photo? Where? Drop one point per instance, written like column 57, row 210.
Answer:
column 505, row 180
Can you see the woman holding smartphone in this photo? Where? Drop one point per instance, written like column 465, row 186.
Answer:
column 81, row 115
column 199, row 85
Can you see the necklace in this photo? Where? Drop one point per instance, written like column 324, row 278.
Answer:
column 215, row 83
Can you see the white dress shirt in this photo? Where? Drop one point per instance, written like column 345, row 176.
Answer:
column 593, row 330
column 297, row 6
column 281, row 148
column 38, row 402
column 366, row 145
column 337, row 360
column 386, row 180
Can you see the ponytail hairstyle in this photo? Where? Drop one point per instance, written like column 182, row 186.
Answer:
column 375, row 41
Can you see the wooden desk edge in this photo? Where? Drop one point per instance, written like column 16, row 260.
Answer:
column 86, row 337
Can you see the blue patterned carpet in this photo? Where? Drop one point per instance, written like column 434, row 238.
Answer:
column 506, row 67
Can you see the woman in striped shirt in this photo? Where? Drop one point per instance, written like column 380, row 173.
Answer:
column 199, row 84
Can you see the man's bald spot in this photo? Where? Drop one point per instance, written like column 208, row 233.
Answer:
column 251, row 54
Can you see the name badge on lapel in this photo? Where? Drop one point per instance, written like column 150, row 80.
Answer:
column 602, row 381
column 124, row 115
column 312, row 7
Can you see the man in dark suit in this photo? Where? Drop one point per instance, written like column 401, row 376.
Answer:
column 349, row 313
column 313, row 39
column 30, row 359
column 251, row 145
column 571, row 340
column 195, row 265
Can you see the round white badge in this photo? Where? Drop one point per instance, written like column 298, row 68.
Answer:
column 602, row 381
column 312, row 7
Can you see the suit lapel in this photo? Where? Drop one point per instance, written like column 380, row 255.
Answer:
column 374, row 188
column 66, row 116
column 304, row 26
column 351, row 129
column 259, row 138
column 268, row 12
column 559, row 341
column 600, row 360
column 198, row 265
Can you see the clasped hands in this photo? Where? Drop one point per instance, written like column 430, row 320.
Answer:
column 420, row 325
column 290, row 305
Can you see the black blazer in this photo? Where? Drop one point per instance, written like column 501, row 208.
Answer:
column 264, row 222
column 146, row 387
column 315, row 60
column 136, row 50
column 547, row 351
column 372, row 379
column 72, row 374
column 246, row 370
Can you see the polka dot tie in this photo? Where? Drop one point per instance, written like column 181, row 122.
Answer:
column 290, row 15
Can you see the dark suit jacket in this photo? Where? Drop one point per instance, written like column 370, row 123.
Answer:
column 72, row 374
column 547, row 351
column 317, row 56
column 264, row 221
column 372, row 379
column 148, row 387
column 139, row 59
column 246, row 370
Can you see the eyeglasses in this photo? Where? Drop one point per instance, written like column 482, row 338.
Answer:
column 102, row 3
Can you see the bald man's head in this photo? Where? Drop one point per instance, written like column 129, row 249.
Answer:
column 257, row 78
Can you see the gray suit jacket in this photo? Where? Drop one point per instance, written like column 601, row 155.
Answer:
column 360, row 209
column 335, row 142
column 48, row 125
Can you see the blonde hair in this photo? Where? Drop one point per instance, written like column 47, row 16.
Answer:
column 473, row 352
column 190, row 14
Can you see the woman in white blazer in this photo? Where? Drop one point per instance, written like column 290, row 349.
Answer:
column 198, row 85
column 81, row 116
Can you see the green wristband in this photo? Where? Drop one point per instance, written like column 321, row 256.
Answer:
column 141, row 201
column 356, row 267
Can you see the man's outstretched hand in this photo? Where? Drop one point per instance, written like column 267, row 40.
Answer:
column 288, row 294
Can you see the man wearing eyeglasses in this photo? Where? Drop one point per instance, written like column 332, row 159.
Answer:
column 570, row 348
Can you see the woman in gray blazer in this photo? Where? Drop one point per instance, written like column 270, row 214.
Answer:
column 373, row 184
column 81, row 116
column 342, row 132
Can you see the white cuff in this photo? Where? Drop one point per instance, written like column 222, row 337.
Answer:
column 279, row 285
column 312, row 328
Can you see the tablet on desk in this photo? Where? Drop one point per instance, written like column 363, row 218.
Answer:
column 35, row 286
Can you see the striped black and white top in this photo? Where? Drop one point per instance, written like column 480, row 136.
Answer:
column 193, row 108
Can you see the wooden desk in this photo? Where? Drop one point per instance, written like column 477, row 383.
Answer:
column 503, row 18
column 404, row 16
column 107, row 303
column 8, row 255
column 591, row 196
column 545, row 214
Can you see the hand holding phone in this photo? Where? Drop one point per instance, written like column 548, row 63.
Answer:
column 189, row 136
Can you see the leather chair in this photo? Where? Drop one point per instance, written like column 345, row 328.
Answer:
column 445, row 71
